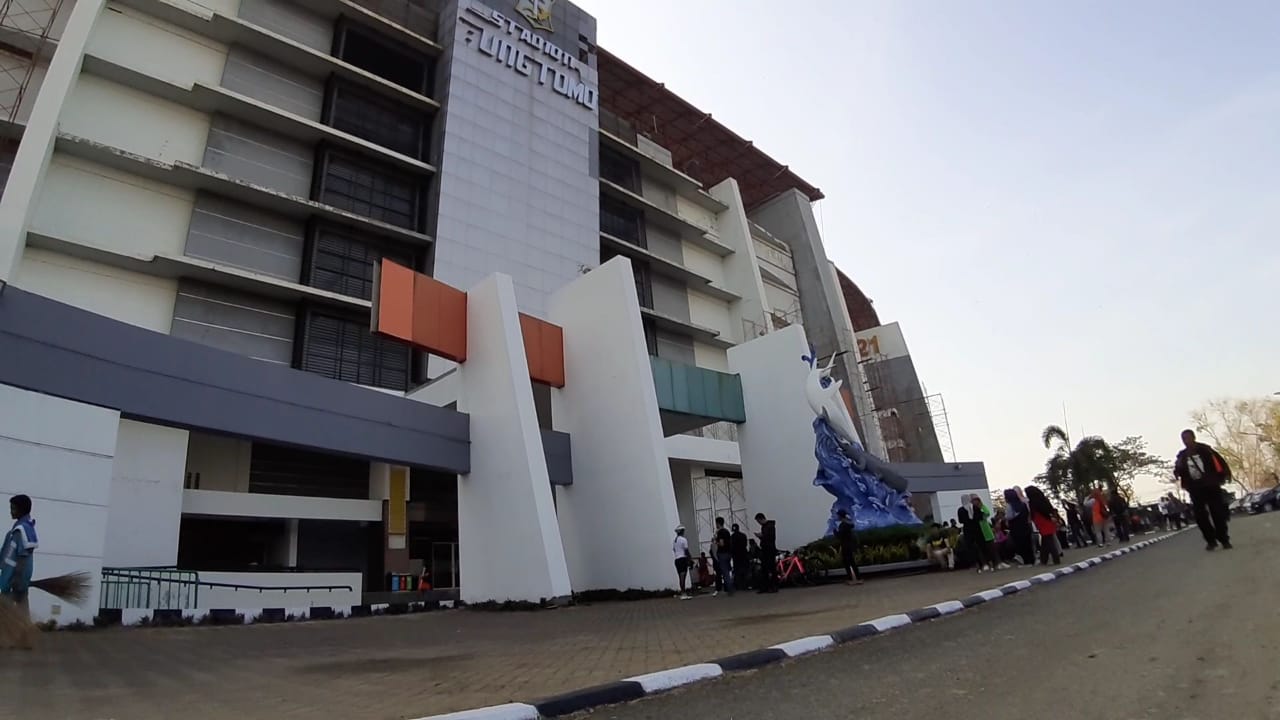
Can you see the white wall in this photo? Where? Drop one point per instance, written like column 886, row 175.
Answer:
column 620, row 512
column 149, row 45
column 509, row 544
column 706, row 264
column 146, row 496
column 713, row 313
column 263, row 505
column 710, row 357
column 231, row 599
column 134, row 298
column 776, row 441
column 60, row 454
column 101, row 207
column 706, row 451
column 695, row 213
column 946, row 503
column 132, row 120
column 682, row 487
column 222, row 462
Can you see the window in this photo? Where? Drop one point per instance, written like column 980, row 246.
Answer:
column 377, row 119
column 340, row 261
column 619, row 169
column 650, row 335
column 344, row 349
column 382, row 56
column 278, row 470
column 621, row 221
column 644, row 287
column 369, row 188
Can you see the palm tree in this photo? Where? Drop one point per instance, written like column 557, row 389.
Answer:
column 1075, row 471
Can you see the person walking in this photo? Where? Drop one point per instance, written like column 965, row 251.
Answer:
column 680, row 549
column 1047, row 521
column 1018, row 518
column 1075, row 525
column 740, row 548
column 1203, row 472
column 17, row 563
column 723, row 555
column 1101, row 516
column 1119, row 508
column 848, row 549
column 768, row 537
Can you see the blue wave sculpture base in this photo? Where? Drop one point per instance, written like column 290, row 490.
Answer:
column 859, row 491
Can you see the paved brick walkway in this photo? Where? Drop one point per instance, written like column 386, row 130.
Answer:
column 391, row 668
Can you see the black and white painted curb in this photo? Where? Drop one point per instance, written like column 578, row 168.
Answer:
column 634, row 688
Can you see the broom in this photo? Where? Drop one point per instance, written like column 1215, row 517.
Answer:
column 16, row 628
column 72, row 587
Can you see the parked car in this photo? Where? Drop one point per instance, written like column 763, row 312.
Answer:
column 1265, row 500
column 1241, row 504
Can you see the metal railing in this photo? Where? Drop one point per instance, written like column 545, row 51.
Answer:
column 174, row 589
column 164, row 588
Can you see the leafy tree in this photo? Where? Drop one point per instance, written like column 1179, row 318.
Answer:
column 1132, row 461
column 1071, row 472
column 1247, row 433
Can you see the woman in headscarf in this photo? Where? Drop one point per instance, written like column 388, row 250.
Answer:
column 1019, row 519
column 1047, row 521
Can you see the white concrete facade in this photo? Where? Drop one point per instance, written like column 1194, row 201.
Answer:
column 777, row 440
column 119, row 159
column 622, row 496
column 508, row 536
column 60, row 453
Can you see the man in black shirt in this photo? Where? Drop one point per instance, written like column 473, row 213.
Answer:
column 740, row 548
column 721, row 546
column 768, row 536
column 1203, row 472
column 848, row 547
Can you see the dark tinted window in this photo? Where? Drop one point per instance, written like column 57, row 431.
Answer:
column 281, row 470
column 345, row 349
column 619, row 169
column 377, row 119
column 621, row 221
column 371, row 189
column 341, row 262
column 384, row 57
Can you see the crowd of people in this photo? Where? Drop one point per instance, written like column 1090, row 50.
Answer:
column 1028, row 529
column 737, row 562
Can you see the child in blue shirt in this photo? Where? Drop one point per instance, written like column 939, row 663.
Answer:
column 17, row 551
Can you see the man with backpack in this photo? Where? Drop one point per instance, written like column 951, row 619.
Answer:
column 1203, row 472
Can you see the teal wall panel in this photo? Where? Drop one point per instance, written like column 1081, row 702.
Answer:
column 698, row 391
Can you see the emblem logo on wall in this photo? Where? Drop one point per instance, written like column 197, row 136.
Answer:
column 537, row 12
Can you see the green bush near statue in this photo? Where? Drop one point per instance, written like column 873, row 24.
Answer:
column 881, row 546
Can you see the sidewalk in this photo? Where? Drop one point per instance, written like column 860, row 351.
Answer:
column 391, row 668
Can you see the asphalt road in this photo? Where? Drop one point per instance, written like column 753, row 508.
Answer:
column 1172, row 632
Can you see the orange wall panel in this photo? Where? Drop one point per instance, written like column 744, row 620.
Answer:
column 393, row 301
column 439, row 318
column 421, row 311
column 544, row 349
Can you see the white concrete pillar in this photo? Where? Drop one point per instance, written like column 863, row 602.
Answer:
column 776, row 442
column 508, row 538
column 147, row 476
column 619, row 515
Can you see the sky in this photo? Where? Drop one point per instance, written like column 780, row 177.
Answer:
column 1062, row 203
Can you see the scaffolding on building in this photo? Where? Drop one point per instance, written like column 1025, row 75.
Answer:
column 25, row 28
